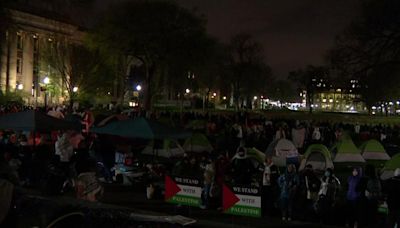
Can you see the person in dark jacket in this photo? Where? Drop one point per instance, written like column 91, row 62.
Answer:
column 309, row 187
column 353, row 196
column 288, row 184
column 329, row 187
column 392, row 190
column 242, row 168
column 373, row 193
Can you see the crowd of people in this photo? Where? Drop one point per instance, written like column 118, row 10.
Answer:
column 57, row 161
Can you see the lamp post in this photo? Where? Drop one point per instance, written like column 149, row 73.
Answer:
column 46, row 81
column 138, row 89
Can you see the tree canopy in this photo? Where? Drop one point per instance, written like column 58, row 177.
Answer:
column 369, row 50
column 246, row 71
column 163, row 36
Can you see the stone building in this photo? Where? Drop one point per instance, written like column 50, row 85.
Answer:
column 22, row 66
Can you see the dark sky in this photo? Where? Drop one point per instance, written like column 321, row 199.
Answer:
column 294, row 33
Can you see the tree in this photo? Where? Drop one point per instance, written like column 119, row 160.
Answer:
column 77, row 66
column 308, row 79
column 369, row 50
column 246, row 71
column 158, row 34
column 282, row 90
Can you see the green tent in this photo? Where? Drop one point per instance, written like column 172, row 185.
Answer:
column 255, row 153
column 390, row 167
column 164, row 148
column 346, row 152
column 197, row 143
column 141, row 128
column 318, row 156
column 197, row 124
column 373, row 150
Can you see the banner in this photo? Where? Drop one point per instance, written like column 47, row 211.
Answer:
column 245, row 201
column 183, row 190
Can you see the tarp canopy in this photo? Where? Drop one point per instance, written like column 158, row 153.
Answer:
column 346, row 152
column 141, row 128
column 373, row 150
column 318, row 156
column 164, row 148
column 112, row 118
column 35, row 121
column 197, row 143
column 390, row 167
column 281, row 150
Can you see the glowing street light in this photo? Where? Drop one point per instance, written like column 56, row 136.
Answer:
column 214, row 94
column 75, row 89
column 255, row 97
column 46, row 80
column 224, row 98
column 187, row 90
column 138, row 87
column 20, row 86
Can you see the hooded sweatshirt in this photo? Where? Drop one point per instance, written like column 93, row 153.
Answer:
column 352, row 181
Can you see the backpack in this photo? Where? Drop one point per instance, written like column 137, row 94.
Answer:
column 374, row 188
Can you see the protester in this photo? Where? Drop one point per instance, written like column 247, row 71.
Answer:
column 242, row 168
column 87, row 185
column 288, row 184
column 373, row 193
column 392, row 190
column 269, row 186
column 309, row 187
column 353, row 197
column 327, row 195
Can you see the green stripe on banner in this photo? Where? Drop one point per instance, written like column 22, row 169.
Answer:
column 244, row 211
column 185, row 200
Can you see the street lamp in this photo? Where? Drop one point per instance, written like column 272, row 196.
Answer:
column 46, row 80
column 187, row 90
column 138, row 87
column 75, row 89
column 20, row 86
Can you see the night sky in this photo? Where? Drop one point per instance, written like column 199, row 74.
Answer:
column 294, row 33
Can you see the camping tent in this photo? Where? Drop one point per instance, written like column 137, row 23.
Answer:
column 282, row 150
column 256, row 154
column 390, row 167
column 197, row 143
column 318, row 156
column 35, row 121
column 373, row 150
column 141, row 128
column 346, row 152
column 164, row 148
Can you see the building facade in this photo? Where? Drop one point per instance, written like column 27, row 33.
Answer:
column 22, row 65
column 329, row 98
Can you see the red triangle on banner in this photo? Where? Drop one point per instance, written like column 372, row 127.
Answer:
column 171, row 188
column 229, row 198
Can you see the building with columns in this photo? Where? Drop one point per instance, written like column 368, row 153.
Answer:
column 22, row 65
